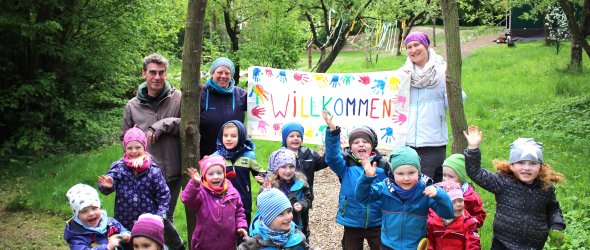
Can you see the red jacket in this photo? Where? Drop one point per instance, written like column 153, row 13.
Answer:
column 474, row 205
column 461, row 234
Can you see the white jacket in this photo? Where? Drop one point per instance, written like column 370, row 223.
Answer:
column 427, row 120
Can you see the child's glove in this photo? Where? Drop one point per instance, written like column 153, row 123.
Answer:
column 556, row 237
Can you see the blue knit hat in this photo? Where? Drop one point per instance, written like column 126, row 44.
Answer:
column 222, row 61
column 281, row 157
column 404, row 155
column 271, row 202
column 290, row 127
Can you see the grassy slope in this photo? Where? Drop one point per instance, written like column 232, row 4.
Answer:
column 499, row 82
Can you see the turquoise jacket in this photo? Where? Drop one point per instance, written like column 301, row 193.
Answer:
column 404, row 223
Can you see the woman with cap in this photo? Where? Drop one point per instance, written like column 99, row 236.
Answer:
column 221, row 101
column 427, row 122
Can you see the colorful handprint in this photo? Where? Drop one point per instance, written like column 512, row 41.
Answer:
column 257, row 111
column 346, row 79
column 256, row 74
column 393, row 83
column 334, row 82
column 399, row 99
column 379, row 87
column 282, row 76
column 268, row 73
column 365, row 79
column 388, row 136
column 262, row 124
column 399, row 118
column 277, row 128
column 260, row 92
column 321, row 80
column 301, row 78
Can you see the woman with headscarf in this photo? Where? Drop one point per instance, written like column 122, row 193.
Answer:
column 427, row 121
column 221, row 101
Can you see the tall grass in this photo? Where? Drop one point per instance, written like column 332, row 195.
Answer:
column 511, row 92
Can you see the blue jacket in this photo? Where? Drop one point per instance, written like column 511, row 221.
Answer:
column 351, row 212
column 80, row 238
column 146, row 193
column 404, row 223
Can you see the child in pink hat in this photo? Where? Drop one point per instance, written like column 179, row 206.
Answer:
column 220, row 217
column 457, row 233
column 139, row 183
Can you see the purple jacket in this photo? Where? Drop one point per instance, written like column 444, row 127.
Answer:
column 146, row 193
column 80, row 238
column 217, row 218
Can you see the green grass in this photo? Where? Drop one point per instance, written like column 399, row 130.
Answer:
column 511, row 92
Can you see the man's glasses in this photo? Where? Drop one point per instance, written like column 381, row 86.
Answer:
column 155, row 73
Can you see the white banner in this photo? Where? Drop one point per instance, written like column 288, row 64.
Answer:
column 377, row 99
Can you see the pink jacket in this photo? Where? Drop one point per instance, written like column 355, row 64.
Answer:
column 217, row 218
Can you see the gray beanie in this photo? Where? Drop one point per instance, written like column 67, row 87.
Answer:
column 526, row 149
column 271, row 202
column 223, row 61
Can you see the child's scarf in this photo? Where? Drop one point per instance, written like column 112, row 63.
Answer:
column 242, row 146
column 219, row 190
column 138, row 164
column 102, row 225
column 277, row 237
column 403, row 194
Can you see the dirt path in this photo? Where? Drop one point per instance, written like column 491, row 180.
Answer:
column 37, row 230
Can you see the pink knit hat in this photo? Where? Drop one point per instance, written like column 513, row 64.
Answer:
column 209, row 161
column 135, row 134
column 150, row 226
column 452, row 188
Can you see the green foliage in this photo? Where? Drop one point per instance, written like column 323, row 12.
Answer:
column 273, row 40
column 69, row 67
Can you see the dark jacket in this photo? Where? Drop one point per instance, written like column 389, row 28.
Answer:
column 80, row 238
column 308, row 162
column 524, row 213
column 217, row 109
column 161, row 115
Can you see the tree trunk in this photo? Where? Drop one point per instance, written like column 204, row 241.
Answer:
column 454, row 90
column 578, row 32
column 398, row 38
column 232, row 32
column 325, row 64
column 191, row 92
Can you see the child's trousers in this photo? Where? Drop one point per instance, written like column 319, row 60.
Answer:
column 354, row 237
